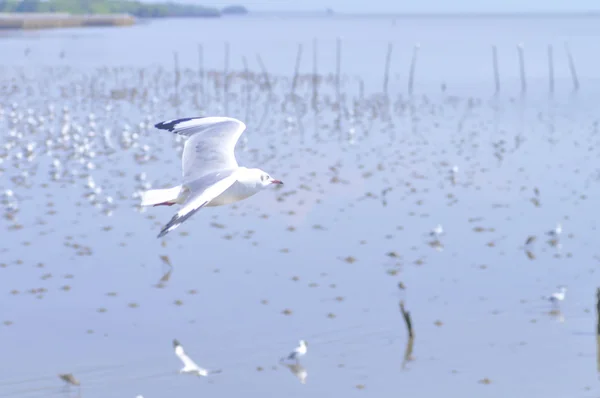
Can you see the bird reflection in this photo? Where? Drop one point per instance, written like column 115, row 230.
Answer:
column 408, row 352
column 411, row 336
column 164, row 279
column 70, row 380
column 298, row 370
column 557, row 314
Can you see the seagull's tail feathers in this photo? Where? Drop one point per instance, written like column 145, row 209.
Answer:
column 166, row 196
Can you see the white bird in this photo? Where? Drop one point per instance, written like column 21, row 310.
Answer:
column 299, row 351
column 558, row 296
column 556, row 231
column 211, row 175
column 438, row 230
column 190, row 366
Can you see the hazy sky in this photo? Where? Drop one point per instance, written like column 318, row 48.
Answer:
column 410, row 6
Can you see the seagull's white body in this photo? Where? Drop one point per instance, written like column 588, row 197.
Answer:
column 438, row 230
column 558, row 296
column 211, row 175
column 299, row 351
column 556, row 231
column 189, row 366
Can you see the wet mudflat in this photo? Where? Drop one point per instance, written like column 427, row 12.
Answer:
column 89, row 290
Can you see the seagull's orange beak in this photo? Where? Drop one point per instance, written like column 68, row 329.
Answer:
column 277, row 182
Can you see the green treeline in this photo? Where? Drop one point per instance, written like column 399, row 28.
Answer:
column 135, row 8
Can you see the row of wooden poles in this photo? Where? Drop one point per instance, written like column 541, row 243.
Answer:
column 521, row 53
column 315, row 72
column 387, row 65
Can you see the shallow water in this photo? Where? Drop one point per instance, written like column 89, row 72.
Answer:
column 320, row 258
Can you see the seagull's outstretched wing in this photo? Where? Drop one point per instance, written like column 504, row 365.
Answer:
column 199, row 199
column 210, row 145
column 187, row 361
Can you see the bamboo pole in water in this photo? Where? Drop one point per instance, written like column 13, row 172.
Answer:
column 315, row 88
column 226, row 79
column 495, row 66
column 297, row 68
column 201, row 71
column 598, row 311
column 522, row 67
column 572, row 67
column 550, row 69
column 247, row 86
column 177, row 76
column 338, row 67
column 338, row 71
column 598, row 329
column 315, row 74
column 361, row 89
column 413, row 64
column 386, row 74
column 264, row 71
column 269, row 91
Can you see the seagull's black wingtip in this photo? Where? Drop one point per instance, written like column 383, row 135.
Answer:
column 172, row 224
column 176, row 343
column 171, row 125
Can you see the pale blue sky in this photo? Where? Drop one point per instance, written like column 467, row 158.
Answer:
column 410, row 6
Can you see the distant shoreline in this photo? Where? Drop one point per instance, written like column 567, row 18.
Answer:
column 33, row 21
column 49, row 20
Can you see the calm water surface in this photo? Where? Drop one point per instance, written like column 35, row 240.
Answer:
column 321, row 258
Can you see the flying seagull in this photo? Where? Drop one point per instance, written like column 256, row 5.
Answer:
column 190, row 366
column 211, row 175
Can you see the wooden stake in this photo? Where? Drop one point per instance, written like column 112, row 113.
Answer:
column 550, row 69
column 495, row 67
column 297, row 68
column 338, row 68
column 572, row 68
column 201, row 71
column 177, row 77
column 264, row 71
column 413, row 63
column 226, row 80
column 315, row 77
column 386, row 74
column 522, row 67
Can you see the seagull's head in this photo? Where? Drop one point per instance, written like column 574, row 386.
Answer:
column 303, row 343
column 264, row 179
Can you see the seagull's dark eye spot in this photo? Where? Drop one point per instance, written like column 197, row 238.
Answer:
column 262, row 177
